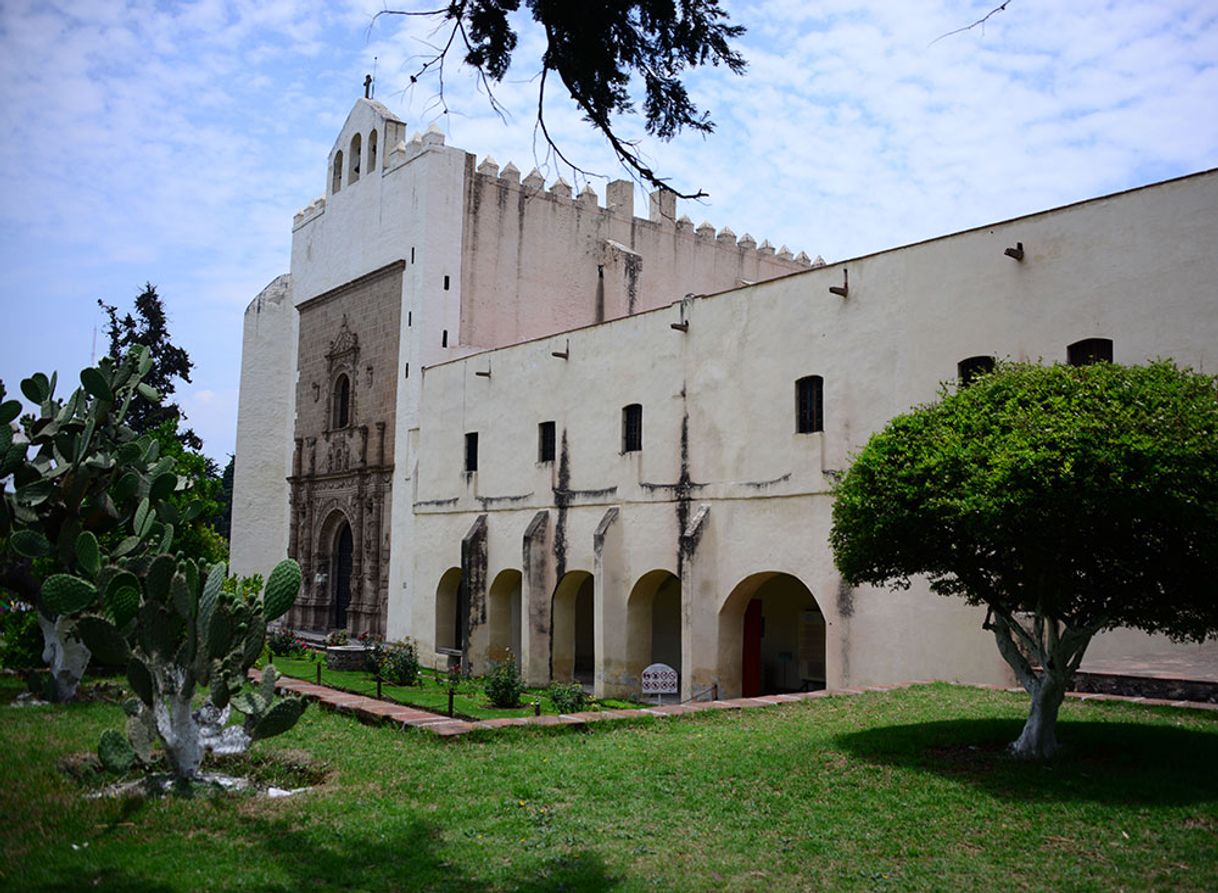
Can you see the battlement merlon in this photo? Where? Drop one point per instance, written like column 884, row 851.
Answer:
column 533, row 258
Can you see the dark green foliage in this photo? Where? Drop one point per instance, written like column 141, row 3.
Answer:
column 20, row 638
column 1090, row 493
column 1068, row 500
column 115, row 751
column 599, row 52
column 399, row 663
column 281, row 589
column 149, row 329
column 283, row 642
column 195, row 512
column 568, row 697
column 503, row 683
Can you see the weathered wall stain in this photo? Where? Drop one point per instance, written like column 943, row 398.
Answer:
column 562, row 498
column 473, row 579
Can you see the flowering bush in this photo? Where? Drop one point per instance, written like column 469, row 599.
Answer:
column 284, row 642
column 503, row 683
column 399, row 663
column 336, row 638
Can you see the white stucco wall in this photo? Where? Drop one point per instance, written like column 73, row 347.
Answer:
column 264, row 431
column 1137, row 267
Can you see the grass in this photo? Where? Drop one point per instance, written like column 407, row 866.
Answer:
column 469, row 702
column 906, row 790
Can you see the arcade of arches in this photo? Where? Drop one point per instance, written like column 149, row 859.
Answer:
column 771, row 631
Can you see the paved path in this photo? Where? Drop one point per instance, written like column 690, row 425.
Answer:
column 378, row 711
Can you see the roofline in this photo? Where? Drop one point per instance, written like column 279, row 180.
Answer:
column 828, row 266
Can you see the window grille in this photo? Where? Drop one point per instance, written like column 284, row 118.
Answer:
column 810, row 405
column 632, row 428
column 545, row 442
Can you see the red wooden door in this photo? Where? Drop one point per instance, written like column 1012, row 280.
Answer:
column 750, row 663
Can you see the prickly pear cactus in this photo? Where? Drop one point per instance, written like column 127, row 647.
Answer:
column 179, row 631
column 74, row 477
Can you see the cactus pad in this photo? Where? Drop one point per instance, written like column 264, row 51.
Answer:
column 281, row 589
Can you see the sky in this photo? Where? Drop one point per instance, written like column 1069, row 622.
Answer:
column 171, row 143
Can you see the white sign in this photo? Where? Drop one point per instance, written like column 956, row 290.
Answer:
column 661, row 679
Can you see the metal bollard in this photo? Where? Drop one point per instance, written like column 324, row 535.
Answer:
column 378, row 688
column 450, row 702
column 715, row 692
column 537, row 708
column 319, row 674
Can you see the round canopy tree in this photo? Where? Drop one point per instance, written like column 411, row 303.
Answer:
column 1066, row 499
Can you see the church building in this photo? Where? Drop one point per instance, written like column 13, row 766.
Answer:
column 499, row 418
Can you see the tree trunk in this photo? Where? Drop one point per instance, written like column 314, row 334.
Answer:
column 1038, row 740
column 67, row 657
column 179, row 733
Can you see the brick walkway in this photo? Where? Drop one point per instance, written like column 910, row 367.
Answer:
column 371, row 710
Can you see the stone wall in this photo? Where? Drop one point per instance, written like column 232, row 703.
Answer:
column 342, row 469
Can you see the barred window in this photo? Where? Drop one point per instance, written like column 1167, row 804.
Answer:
column 632, row 428
column 545, row 442
column 809, row 405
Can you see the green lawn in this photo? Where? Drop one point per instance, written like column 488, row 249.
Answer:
column 903, row 790
column 470, row 701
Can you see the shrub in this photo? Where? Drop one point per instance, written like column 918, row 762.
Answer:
column 336, row 638
column 503, row 683
column 20, row 638
column 376, row 649
column 568, row 697
column 399, row 663
column 284, row 642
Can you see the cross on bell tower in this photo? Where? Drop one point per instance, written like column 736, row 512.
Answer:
column 367, row 86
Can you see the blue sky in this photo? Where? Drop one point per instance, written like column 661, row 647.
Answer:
column 172, row 142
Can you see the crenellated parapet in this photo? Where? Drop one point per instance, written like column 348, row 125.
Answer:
column 619, row 203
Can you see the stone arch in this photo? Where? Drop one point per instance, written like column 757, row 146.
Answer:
column 572, row 629
column 356, row 151
column 335, row 554
column 450, row 612
column 653, row 623
column 505, row 616
column 771, row 637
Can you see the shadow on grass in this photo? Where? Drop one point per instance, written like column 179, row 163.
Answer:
column 1101, row 762
column 345, row 859
column 408, row 859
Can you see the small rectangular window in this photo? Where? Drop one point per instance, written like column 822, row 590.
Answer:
column 545, row 442
column 446, row 283
column 1088, row 351
column 971, row 368
column 471, row 451
column 810, row 405
column 412, row 254
column 444, row 338
column 409, row 319
column 407, row 375
column 632, row 428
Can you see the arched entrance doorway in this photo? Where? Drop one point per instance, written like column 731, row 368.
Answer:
column 450, row 611
column 504, row 616
column 340, row 575
column 572, row 640
column 771, row 637
column 653, row 623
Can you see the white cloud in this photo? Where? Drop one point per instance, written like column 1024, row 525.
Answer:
column 172, row 143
